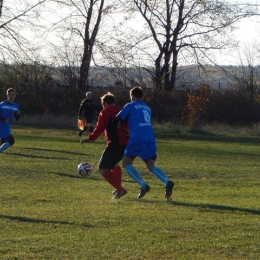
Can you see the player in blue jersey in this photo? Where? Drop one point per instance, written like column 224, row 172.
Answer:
column 142, row 142
column 8, row 110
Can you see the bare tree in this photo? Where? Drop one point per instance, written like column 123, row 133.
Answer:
column 186, row 30
column 89, row 40
column 17, row 22
column 78, row 27
column 246, row 76
column 1, row 7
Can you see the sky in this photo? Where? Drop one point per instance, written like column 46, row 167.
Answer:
column 249, row 27
column 247, row 34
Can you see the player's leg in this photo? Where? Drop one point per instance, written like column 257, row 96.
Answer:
column 106, row 166
column 130, row 153
column 118, row 155
column 91, row 128
column 89, row 123
column 117, row 172
column 6, row 143
column 162, row 177
column 156, row 171
column 150, row 152
column 4, row 146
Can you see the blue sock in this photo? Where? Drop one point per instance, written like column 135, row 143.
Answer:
column 160, row 174
column 4, row 146
column 134, row 174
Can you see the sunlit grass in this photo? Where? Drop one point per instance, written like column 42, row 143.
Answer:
column 49, row 212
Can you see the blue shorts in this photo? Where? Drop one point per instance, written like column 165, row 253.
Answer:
column 143, row 150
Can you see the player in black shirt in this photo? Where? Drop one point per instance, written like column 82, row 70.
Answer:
column 86, row 112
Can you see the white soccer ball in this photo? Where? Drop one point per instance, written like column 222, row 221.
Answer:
column 84, row 169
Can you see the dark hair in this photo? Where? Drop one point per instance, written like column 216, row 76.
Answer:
column 108, row 98
column 137, row 92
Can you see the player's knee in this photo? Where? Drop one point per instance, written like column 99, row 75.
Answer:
column 149, row 164
column 124, row 164
column 11, row 140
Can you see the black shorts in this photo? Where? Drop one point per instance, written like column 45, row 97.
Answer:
column 111, row 156
column 89, row 118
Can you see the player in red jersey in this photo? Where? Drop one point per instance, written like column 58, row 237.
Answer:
column 116, row 137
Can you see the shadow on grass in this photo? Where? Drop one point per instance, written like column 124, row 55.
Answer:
column 36, row 156
column 216, row 207
column 201, row 135
column 75, row 176
column 72, row 176
column 48, row 150
column 93, row 177
column 41, row 221
column 55, row 151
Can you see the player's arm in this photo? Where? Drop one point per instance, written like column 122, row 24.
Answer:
column 17, row 115
column 101, row 125
column 81, row 110
column 118, row 120
column 2, row 118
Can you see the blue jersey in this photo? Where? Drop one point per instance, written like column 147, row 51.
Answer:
column 138, row 116
column 7, row 110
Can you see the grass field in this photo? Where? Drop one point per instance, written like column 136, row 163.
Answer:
column 47, row 211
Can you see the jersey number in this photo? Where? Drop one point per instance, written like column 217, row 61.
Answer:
column 147, row 116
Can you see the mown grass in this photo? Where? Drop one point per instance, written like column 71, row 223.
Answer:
column 49, row 212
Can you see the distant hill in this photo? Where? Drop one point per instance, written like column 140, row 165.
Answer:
column 187, row 77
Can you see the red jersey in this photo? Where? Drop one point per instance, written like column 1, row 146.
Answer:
column 114, row 134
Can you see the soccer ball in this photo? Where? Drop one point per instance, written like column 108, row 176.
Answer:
column 84, row 169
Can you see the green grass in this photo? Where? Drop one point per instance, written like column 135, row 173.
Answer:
column 47, row 211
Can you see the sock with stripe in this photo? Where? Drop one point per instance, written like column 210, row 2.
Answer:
column 160, row 174
column 4, row 146
column 134, row 174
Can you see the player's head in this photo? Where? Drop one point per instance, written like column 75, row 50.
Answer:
column 108, row 99
column 10, row 94
column 136, row 93
column 89, row 95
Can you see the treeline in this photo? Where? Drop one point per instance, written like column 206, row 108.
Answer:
column 205, row 106
column 42, row 93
